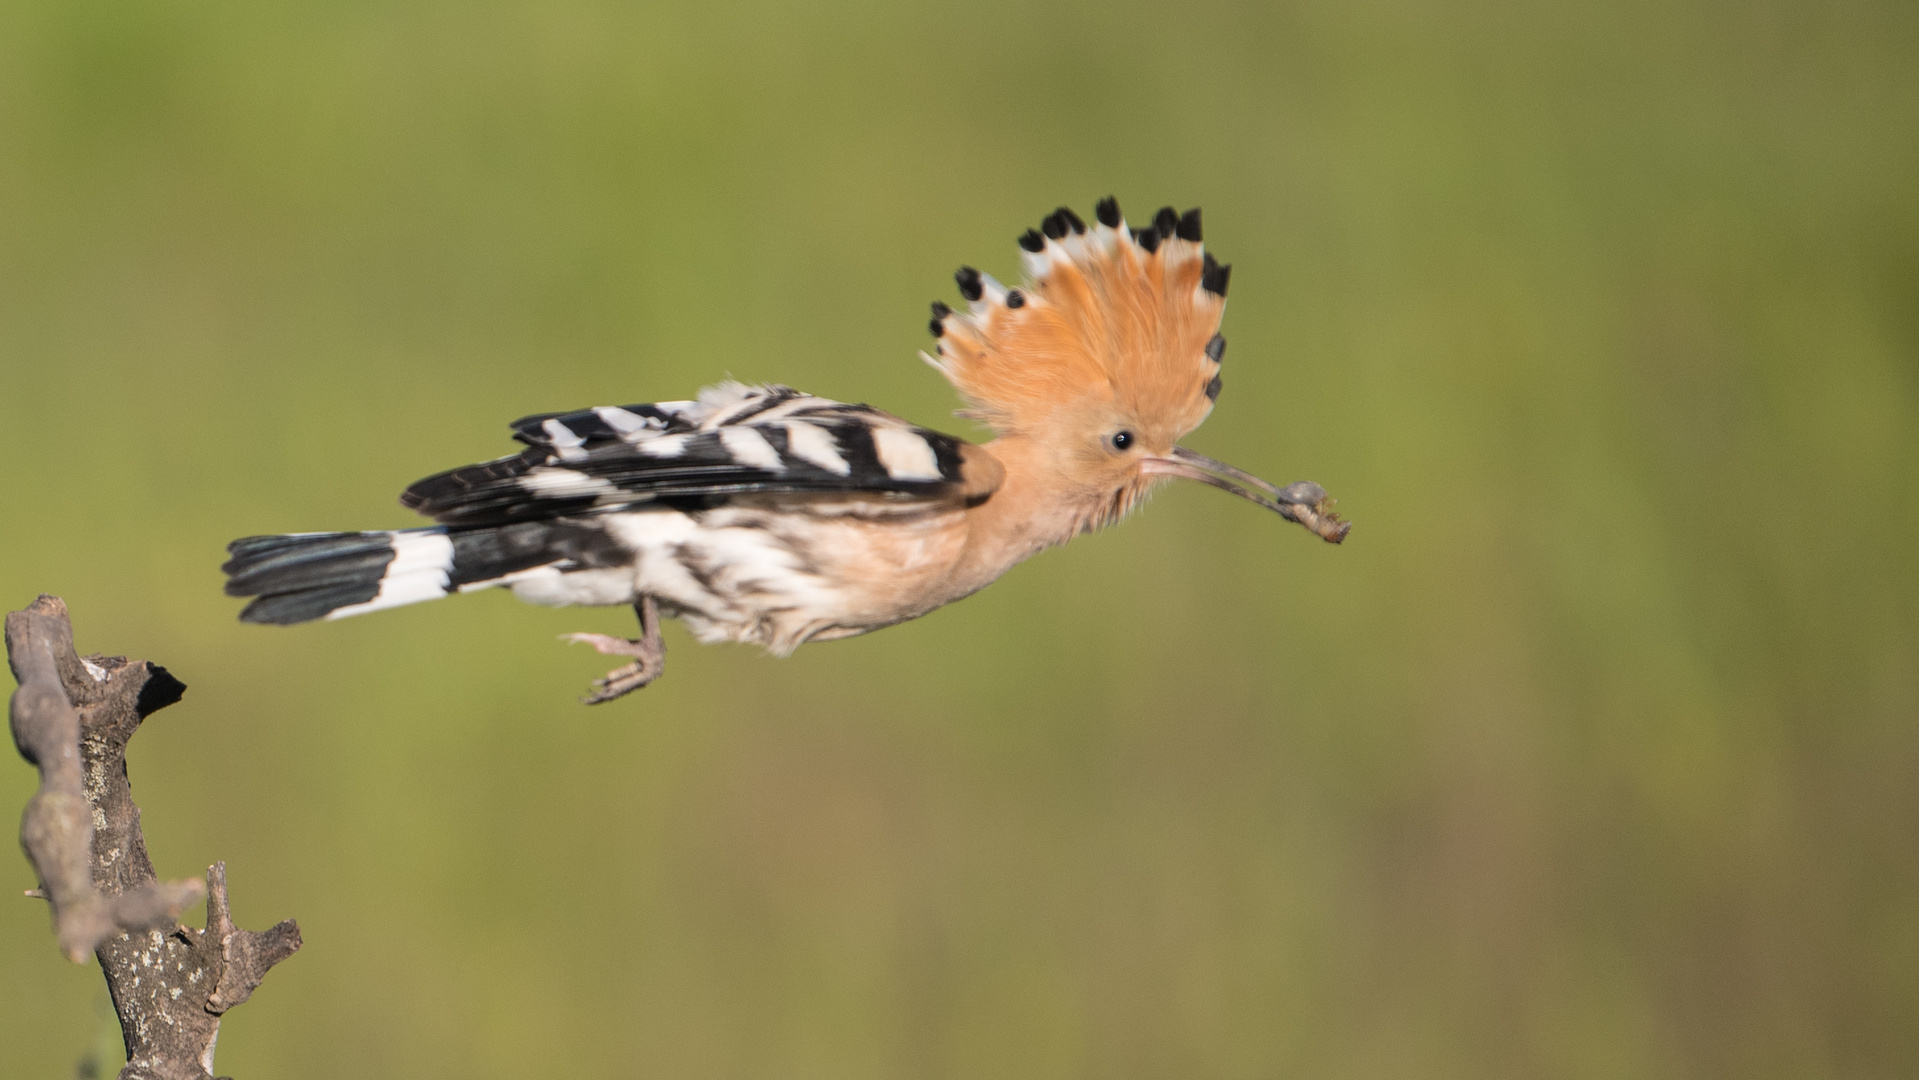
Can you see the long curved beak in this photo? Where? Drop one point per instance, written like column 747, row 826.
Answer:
column 1304, row 502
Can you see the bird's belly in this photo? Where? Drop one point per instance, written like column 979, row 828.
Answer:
column 601, row 587
column 777, row 575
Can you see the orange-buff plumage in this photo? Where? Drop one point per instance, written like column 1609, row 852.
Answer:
column 765, row 515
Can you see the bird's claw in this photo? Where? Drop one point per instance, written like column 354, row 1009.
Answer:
column 648, row 653
column 622, row 681
column 649, row 660
column 605, row 644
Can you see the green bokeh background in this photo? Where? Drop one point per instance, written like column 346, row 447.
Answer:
column 1593, row 753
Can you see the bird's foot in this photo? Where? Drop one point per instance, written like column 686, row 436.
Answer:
column 648, row 653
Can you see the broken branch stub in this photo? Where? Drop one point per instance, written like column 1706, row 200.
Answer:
column 73, row 718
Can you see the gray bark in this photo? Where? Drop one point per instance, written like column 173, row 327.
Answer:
column 171, row 984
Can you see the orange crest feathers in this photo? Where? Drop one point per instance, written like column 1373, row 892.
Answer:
column 1108, row 316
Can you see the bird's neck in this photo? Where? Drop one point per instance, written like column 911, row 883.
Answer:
column 1035, row 508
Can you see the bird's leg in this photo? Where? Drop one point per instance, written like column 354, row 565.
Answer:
column 648, row 653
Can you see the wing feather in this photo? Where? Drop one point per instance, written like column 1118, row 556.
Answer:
column 733, row 440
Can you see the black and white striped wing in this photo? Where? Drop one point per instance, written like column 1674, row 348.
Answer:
column 734, row 440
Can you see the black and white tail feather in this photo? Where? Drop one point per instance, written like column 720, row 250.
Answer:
column 554, row 511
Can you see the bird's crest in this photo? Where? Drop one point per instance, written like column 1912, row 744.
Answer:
column 1107, row 316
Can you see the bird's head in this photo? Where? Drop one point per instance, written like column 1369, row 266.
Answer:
column 1103, row 359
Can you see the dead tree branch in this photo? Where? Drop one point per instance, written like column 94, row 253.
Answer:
column 72, row 718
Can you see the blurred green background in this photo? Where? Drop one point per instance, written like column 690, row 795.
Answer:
column 1592, row 754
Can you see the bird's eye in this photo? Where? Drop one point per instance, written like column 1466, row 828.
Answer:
column 1122, row 440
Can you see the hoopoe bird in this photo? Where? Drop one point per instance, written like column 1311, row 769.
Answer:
column 762, row 514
